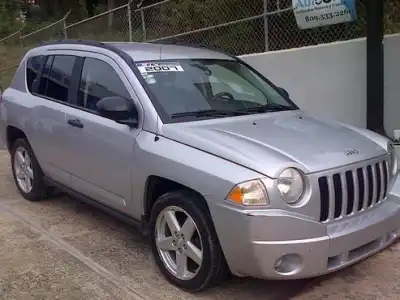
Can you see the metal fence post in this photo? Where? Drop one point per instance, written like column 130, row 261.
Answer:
column 65, row 29
column 64, row 25
column 21, row 43
column 129, row 13
column 266, row 28
column 20, row 40
column 143, row 25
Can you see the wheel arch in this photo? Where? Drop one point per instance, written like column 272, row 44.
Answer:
column 157, row 186
column 12, row 134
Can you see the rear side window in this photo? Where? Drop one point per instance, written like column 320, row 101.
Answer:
column 60, row 77
column 56, row 77
column 33, row 67
column 44, row 79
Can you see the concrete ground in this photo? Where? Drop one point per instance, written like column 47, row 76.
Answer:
column 63, row 249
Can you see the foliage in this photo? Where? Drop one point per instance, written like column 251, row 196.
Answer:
column 180, row 16
column 245, row 37
column 176, row 17
column 187, row 15
column 392, row 16
column 9, row 16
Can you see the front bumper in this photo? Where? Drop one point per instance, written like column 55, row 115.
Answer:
column 275, row 244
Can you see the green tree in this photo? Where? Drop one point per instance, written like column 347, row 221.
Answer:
column 56, row 9
column 9, row 16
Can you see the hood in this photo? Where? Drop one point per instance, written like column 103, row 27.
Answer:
column 268, row 143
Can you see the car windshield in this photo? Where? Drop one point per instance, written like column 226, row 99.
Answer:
column 191, row 88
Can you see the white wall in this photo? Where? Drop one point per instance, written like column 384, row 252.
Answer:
column 330, row 79
column 392, row 83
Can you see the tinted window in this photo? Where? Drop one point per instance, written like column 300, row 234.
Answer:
column 58, row 77
column 33, row 66
column 190, row 85
column 45, row 76
column 99, row 80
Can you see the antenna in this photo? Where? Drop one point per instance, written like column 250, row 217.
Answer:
column 156, row 138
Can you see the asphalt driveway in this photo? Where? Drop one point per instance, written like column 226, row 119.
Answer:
column 63, row 249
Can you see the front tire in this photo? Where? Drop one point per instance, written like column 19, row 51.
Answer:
column 27, row 173
column 184, row 242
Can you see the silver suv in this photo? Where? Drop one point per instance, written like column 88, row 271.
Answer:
column 206, row 156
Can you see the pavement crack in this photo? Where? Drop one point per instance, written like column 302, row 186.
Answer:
column 61, row 244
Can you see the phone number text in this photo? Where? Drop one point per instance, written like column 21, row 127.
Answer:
column 328, row 16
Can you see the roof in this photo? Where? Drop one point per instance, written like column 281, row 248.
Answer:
column 154, row 51
column 138, row 51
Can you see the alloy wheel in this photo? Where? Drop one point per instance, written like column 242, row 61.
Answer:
column 178, row 242
column 23, row 170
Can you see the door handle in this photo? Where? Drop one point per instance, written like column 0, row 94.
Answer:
column 75, row 123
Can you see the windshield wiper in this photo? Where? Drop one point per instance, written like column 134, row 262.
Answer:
column 208, row 113
column 267, row 107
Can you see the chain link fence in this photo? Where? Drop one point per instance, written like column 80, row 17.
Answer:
column 10, row 54
column 259, row 25
column 53, row 31
column 236, row 26
column 122, row 24
column 13, row 47
column 109, row 26
column 283, row 32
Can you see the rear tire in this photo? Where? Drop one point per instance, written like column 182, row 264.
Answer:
column 28, row 175
column 195, row 244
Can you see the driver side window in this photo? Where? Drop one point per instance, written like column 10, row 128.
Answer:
column 99, row 80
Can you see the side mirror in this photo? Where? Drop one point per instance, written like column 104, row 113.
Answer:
column 119, row 109
column 283, row 92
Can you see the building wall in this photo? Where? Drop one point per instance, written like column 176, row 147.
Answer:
column 330, row 79
column 392, row 83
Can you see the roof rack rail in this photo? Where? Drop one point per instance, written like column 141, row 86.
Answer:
column 93, row 43
column 77, row 42
column 177, row 43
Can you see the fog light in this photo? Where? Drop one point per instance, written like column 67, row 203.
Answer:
column 289, row 263
column 394, row 234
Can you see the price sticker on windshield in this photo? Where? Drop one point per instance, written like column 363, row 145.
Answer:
column 159, row 67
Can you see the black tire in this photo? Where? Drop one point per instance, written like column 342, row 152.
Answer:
column 39, row 189
column 213, row 269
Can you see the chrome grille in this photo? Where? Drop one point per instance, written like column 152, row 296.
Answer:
column 348, row 192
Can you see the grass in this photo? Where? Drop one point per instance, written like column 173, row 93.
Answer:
column 9, row 56
column 6, row 77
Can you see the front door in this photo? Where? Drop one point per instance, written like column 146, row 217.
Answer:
column 102, row 149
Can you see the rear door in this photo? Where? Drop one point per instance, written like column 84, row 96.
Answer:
column 50, row 92
column 101, row 150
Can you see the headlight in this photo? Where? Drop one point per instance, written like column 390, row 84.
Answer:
column 290, row 185
column 249, row 193
column 392, row 159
